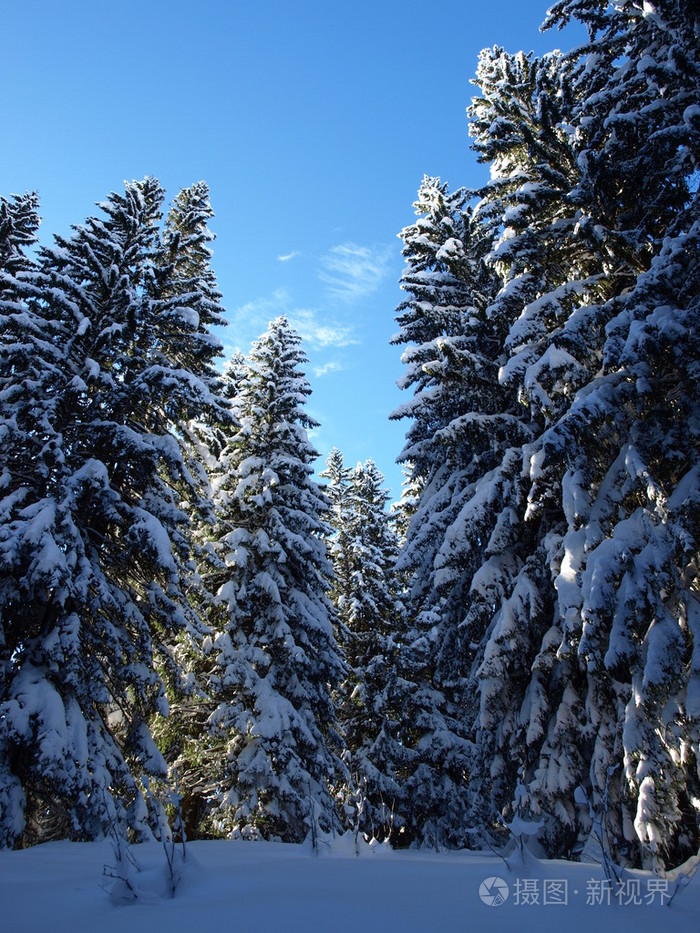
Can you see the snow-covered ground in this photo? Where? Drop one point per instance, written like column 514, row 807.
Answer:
column 261, row 887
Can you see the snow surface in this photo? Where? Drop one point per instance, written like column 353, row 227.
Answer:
column 269, row 887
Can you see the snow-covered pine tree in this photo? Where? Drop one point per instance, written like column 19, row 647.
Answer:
column 598, row 695
column 566, row 245
column 504, row 545
column 626, row 586
column 103, row 545
column 519, row 125
column 338, row 492
column 188, row 304
column 191, row 301
column 363, row 550
column 274, row 660
column 31, row 451
column 461, row 419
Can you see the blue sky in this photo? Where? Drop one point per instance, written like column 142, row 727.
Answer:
column 313, row 124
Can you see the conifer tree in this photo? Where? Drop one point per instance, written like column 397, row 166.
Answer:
column 639, row 150
column 275, row 655
column 30, row 367
column 562, row 693
column 189, row 305
column 103, row 589
column 370, row 625
column 461, row 419
column 519, row 124
column 338, row 492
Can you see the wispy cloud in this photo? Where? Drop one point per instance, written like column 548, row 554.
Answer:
column 333, row 366
column 352, row 272
column 287, row 256
column 320, row 331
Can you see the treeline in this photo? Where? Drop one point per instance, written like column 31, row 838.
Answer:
column 518, row 640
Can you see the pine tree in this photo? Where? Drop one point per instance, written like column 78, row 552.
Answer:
column 30, row 367
column 276, row 659
column 500, row 545
column 581, row 705
column 338, row 492
column 623, row 585
column 189, row 305
column 370, row 625
column 191, row 301
column 462, row 419
column 104, row 544
column 520, row 125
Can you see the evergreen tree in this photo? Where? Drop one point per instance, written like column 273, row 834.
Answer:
column 338, row 492
column 363, row 551
column 276, row 659
column 30, row 367
column 639, row 151
column 191, row 301
column 562, row 693
column 520, row 125
column 505, row 541
column 461, row 420
column 189, row 305
column 103, row 544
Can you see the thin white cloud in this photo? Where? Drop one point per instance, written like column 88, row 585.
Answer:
column 287, row 256
column 333, row 366
column 319, row 331
column 352, row 272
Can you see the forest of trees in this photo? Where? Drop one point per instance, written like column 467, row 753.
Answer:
column 519, row 636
